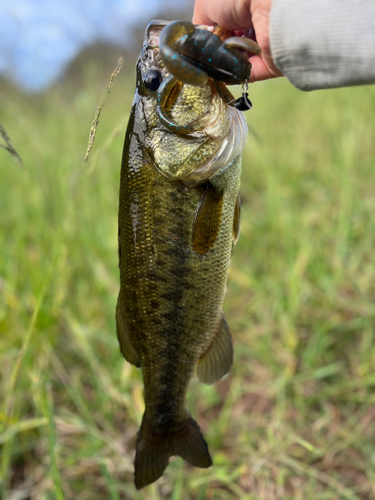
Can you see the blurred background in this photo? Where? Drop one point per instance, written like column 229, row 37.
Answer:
column 295, row 419
column 41, row 38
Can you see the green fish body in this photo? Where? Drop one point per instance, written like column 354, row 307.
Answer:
column 178, row 216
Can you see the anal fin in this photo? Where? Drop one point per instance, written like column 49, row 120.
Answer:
column 218, row 359
column 208, row 219
column 127, row 348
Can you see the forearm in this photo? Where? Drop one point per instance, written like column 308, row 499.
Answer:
column 324, row 43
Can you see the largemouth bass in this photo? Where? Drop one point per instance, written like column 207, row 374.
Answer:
column 178, row 217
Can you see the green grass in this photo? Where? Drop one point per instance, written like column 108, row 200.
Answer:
column 296, row 417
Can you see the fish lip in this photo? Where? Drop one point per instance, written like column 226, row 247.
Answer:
column 153, row 39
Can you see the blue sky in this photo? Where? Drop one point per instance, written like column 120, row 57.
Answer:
column 39, row 38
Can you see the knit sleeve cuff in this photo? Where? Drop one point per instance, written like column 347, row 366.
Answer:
column 324, row 44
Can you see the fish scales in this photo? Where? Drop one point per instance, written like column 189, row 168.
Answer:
column 173, row 282
column 174, row 295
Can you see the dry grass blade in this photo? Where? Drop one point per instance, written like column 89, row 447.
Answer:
column 9, row 146
column 95, row 123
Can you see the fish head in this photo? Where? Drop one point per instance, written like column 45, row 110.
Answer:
column 189, row 131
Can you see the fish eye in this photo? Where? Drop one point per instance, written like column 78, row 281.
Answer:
column 152, row 80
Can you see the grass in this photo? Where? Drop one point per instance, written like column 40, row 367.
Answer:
column 296, row 417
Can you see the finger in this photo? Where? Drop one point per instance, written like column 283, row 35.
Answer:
column 200, row 16
column 260, row 71
column 234, row 15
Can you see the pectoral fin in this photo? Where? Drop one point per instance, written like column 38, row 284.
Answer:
column 127, row 348
column 218, row 359
column 207, row 221
column 236, row 219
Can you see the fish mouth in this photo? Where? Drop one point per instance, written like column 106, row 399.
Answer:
column 197, row 115
column 229, row 133
column 170, row 90
column 191, row 119
column 223, row 126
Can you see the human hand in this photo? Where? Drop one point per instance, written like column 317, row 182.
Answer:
column 240, row 15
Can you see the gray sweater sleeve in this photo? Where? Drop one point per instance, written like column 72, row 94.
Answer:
column 321, row 44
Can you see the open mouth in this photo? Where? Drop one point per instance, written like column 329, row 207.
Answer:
column 189, row 120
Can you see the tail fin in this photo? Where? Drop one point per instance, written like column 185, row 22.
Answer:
column 153, row 451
